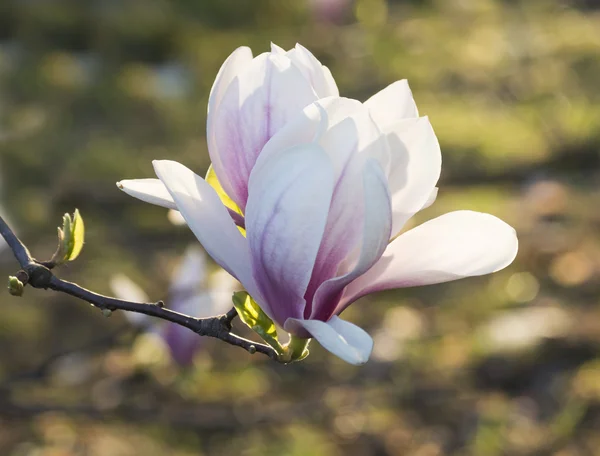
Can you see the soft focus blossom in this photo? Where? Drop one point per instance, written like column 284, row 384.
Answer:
column 192, row 292
column 326, row 196
column 329, row 10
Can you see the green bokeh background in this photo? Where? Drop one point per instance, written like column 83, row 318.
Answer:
column 508, row 364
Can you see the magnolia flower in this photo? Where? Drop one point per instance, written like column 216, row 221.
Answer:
column 322, row 206
column 188, row 294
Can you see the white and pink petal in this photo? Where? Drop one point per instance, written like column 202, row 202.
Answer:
column 450, row 247
column 151, row 191
column 258, row 102
column 376, row 226
column 416, row 164
column 286, row 214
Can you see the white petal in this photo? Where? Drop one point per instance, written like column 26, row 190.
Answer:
column 416, row 165
column 392, row 104
column 319, row 76
column 277, row 49
column 235, row 63
column 258, row 103
column 285, row 218
column 432, row 197
column 151, row 191
column 209, row 220
column 306, row 127
column 342, row 126
column 340, row 337
column 455, row 245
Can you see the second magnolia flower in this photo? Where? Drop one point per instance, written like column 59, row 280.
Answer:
column 323, row 186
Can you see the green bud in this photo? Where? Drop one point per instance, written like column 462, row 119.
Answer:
column 15, row 286
column 254, row 317
column 106, row 312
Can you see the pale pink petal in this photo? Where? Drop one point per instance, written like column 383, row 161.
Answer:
column 376, row 227
column 343, row 339
column 235, row 63
column 209, row 220
column 306, row 127
column 320, row 122
column 346, row 132
column 319, row 75
column 257, row 103
column 415, row 167
column 151, row 191
column 285, row 219
column 392, row 104
column 452, row 246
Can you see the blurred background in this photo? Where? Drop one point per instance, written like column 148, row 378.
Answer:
column 507, row 364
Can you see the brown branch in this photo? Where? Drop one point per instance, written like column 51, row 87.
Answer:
column 39, row 276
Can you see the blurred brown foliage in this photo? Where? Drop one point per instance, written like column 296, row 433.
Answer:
column 509, row 364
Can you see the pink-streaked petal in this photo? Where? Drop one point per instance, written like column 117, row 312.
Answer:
column 257, row 103
column 151, row 191
column 285, row 219
column 392, row 104
column 343, row 339
column 319, row 75
column 455, row 245
column 345, row 130
column 209, row 220
column 376, row 227
column 415, row 167
column 233, row 65
column 307, row 127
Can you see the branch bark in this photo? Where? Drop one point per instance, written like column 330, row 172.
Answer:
column 37, row 275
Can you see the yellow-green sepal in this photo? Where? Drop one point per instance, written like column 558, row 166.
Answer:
column 255, row 318
column 213, row 181
column 296, row 349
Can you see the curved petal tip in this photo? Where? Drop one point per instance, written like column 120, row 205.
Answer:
column 343, row 339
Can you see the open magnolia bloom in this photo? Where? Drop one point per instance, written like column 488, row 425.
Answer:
column 192, row 291
column 326, row 198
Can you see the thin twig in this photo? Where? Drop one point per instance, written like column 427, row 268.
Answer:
column 39, row 276
column 19, row 250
